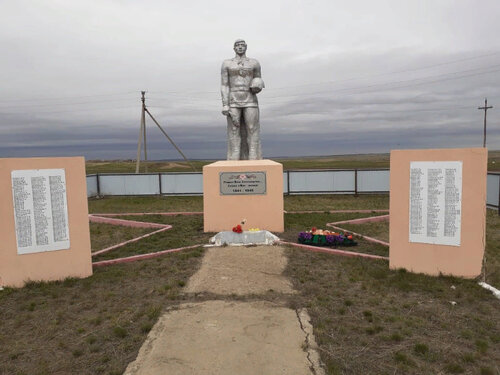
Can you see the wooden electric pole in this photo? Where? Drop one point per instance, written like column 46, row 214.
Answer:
column 485, row 111
column 142, row 134
column 142, row 137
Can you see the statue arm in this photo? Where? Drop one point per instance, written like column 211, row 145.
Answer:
column 256, row 70
column 256, row 74
column 224, row 88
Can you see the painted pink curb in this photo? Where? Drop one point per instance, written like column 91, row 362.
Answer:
column 126, row 223
column 369, row 239
column 334, row 251
column 150, row 213
column 129, row 241
column 362, row 220
column 336, row 211
column 141, row 256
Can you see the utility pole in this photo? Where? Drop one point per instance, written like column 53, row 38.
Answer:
column 142, row 137
column 142, row 134
column 485, row 111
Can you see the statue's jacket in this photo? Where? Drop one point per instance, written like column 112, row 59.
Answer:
column 238, row 74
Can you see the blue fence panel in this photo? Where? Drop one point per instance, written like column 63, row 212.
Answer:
column 492, row 189
column 182, row 183
column 129, row 184
column 375, row 181
column 92, row 190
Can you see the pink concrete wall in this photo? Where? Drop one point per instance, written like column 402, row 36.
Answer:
column 464, row 260
column 51, row 265
column 223, row 212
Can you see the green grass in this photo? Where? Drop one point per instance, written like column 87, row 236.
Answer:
column 104, row 235
column 324, row 202
column 185, row 231
column 146, row 204
column 328, row 202
column 379, row 230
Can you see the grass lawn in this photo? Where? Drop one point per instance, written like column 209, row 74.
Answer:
column 367, row 319
column 324, row 202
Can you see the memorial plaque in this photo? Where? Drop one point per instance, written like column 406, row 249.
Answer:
column 435, row 202
column 242, row 183
column 40, row 210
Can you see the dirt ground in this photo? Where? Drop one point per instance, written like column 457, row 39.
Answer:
column 232, row 337
column 241, row 270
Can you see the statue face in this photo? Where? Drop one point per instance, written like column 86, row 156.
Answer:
column 240, row 47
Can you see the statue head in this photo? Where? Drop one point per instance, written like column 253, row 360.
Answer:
column 240, row 47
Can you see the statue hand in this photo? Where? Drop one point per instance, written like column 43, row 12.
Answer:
column 225, row 111
column 255, row 90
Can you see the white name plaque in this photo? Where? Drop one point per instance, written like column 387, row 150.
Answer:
column 40, row 210
column 435, row 202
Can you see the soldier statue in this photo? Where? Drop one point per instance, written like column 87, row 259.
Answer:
column 240, row 83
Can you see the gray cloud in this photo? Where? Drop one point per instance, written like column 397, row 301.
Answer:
column 340, row 78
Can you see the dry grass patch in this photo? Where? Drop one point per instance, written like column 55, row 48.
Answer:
column 90, row 326
column 370, row 320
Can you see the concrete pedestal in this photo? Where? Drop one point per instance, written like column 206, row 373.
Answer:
column 238, row 190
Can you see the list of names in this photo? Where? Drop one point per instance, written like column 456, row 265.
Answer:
column 40, row 210
column 435, row 202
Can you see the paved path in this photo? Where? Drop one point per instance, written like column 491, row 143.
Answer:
column 232, row 337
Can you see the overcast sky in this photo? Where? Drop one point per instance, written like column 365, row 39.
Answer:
column 341, row 77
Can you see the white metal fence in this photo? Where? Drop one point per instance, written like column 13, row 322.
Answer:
column 335, row 181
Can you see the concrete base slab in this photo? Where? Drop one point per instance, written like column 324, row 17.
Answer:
column 241, row 270
column 220, row 337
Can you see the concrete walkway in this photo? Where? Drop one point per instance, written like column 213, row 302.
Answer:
column 232, row 337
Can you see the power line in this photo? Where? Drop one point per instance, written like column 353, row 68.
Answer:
column 389, row 73
column 344, row 80
column 65, row 104
column 387, row 85
column 67, row 97
column 107, row 108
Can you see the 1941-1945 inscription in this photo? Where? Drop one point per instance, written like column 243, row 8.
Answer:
column 242, row 183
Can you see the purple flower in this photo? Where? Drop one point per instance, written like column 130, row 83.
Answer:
column 305, row 236
column 332, row 240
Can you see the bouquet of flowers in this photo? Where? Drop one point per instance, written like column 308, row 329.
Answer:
column 320, row 237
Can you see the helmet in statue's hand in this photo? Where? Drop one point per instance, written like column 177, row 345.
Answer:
column 257, row 85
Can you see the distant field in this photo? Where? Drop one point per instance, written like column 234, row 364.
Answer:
column 318, row 162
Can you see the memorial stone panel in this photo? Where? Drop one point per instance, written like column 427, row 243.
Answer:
column 40, row 210
column 435, row 202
